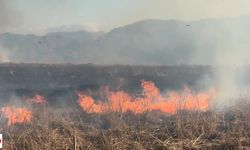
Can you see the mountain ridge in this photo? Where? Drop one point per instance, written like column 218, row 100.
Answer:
column 150, row 41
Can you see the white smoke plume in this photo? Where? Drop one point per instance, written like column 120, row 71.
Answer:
column 232, row 57
column 7, row 19
column 4, row 55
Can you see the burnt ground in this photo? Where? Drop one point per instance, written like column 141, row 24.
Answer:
column 61, row 81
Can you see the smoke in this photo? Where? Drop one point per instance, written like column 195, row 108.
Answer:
column 228, row 41
column 7, row 19
column 4, row 55
column 232, row 58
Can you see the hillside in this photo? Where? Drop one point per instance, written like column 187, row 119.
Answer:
column 144, row 42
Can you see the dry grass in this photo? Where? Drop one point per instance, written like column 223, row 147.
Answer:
column 72, row 129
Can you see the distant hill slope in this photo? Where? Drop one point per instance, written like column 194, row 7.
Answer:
column 144, row 42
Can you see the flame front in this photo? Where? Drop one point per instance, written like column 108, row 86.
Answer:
column 16, row 115
column 150, row 100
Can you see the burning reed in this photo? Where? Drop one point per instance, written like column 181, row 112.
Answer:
column 16, row 115
column 125, row 121
column 149, row 100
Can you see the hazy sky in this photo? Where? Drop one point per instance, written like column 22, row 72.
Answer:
column 35, row 15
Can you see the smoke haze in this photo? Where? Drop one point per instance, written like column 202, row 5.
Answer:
column 221, row 42
column 7, row 20
column 232, row 53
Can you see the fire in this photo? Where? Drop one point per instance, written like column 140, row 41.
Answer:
column 89, row 104
column 150, row 100
column 16, row 115
column 149, row 89
column 37, row 99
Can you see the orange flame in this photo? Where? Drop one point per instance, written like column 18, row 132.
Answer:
column 150, row 100
column 88, row 103
column 16, row 115
column 37, row 99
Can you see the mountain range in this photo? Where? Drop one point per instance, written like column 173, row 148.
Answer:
column 156, row 42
